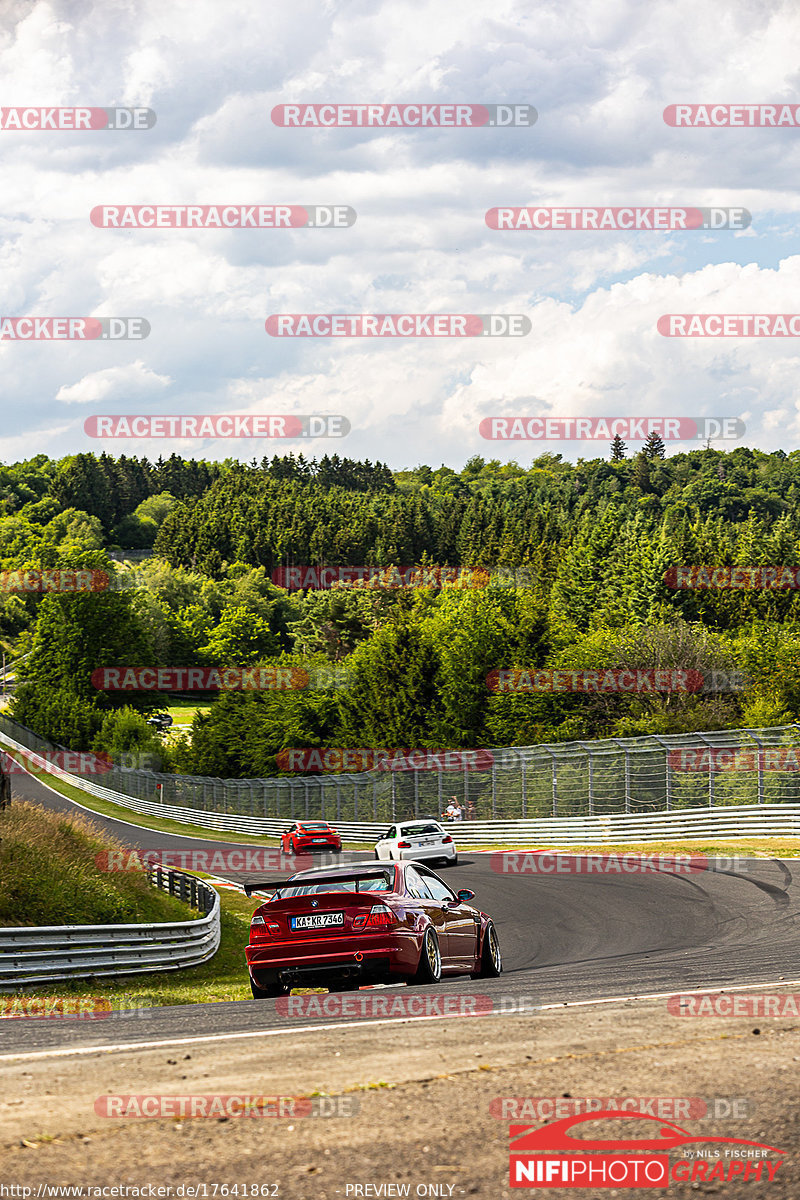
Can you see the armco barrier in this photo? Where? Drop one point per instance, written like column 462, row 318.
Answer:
column 726, row 821
column 46, row 954
column 591, row 792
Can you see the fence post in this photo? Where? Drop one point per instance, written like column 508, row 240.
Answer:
column 627, row 773
column 759, row 743
column 589, row 755
column 555, row 779
column 711, row 781
column 667, row 770
column 524, row 792
column 305, row 786
column 394, row 794
column 416, row 792
column 375, row 799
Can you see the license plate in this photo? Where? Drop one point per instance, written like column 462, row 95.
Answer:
column 319, row 839
column 317, row 920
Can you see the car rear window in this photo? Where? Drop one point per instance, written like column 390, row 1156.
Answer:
column 416, row 830
column 380, row 883
column 315, row 828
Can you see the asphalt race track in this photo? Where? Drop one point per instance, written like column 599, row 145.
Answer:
column 565, row 939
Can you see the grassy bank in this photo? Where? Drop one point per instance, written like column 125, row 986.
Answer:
column 224, row 977
column 48, row 874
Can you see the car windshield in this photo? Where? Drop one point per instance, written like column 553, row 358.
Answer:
column 416, row 830
column 318, row 828
column 379, row 883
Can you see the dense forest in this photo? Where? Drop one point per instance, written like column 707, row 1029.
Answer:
column 190, row 548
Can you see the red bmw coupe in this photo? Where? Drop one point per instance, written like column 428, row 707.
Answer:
column 340, row 927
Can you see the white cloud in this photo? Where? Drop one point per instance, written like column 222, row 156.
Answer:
column 113, row 383
column 600, row 73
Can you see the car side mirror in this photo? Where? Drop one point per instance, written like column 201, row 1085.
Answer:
column 464, row 895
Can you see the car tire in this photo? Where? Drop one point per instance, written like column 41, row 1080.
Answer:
column 491, row 959
column 377, row 856
column 274, row 988
column 430, row 959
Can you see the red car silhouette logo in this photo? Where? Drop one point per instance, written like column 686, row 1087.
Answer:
column 527, row 1139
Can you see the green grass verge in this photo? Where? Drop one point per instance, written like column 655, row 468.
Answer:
column 183, row 712
column 49, row 876
column 224, row 977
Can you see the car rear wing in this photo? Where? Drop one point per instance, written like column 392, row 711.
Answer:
column 312, row 877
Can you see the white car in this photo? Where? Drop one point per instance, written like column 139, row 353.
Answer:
column 419, row 839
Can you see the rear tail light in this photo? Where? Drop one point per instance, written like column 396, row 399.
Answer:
column 260, row 928
column 379, row 916
column 404, row 845
column 447, row 838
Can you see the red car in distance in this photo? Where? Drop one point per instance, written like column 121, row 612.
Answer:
column 304, row 837
column 340, row 927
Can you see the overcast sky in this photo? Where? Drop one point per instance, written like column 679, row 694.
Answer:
column 599, row 75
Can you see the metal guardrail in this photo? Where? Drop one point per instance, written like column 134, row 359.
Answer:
column 590, row 792
column 722, row 821
column 49, row 954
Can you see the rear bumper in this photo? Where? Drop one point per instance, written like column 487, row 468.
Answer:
column 373, row 957
column 420, row 853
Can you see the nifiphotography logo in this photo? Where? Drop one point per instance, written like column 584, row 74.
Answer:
column 658, row 1154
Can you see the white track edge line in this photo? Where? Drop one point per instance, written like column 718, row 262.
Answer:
column 75, row 1051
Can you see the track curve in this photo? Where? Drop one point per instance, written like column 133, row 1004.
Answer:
column 566, row 938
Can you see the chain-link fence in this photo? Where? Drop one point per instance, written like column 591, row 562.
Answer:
column 570, row 779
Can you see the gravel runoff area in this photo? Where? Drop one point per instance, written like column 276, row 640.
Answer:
column 418, row 1094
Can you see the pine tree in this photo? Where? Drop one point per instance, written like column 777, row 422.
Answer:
column 618, row 449
column 654, row 446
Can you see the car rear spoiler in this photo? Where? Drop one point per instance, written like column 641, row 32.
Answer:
column 372, row 873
